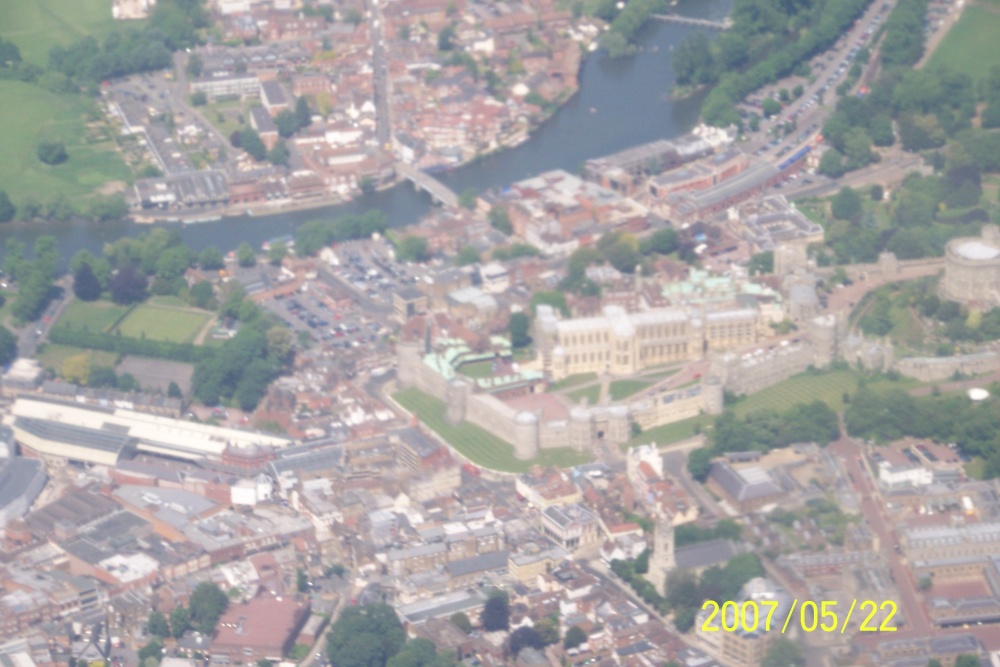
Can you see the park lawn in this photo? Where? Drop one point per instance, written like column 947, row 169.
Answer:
column 35, row 114
column 53, row 356
column 477, row 369
column 573, row 380
column 971, row 46
column 828, row 387
column 906, row 330
column 38, row 25
column 475, row 443
column 620, row 389
column 168, row 301
column 670, row 433
column 92, row 316
column 164, row 324
column 591, row 393
column 661, row 375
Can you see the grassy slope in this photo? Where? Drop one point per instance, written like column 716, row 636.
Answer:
column 971, row 45
column 30, row 114
column 38, row 25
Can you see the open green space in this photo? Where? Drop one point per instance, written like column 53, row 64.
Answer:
column 164, row 324
column 477, row 369
column 38, row 25
column 670, row 433
column 32, row 114
column 621, row 389
column 168, row 301
column 828, row 387
column 53, row 356
column 477, row 444
column 591, row 393
column 660, row 375
column 573, row 380
column 92, row 316
column 971, row 46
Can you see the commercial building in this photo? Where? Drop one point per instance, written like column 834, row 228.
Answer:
column 263, row 629
column 746, row 488
column 573, row 527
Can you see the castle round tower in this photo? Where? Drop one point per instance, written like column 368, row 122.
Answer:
column 526, row 435
column 619, row 425
column 455, row 398
column 824, row 339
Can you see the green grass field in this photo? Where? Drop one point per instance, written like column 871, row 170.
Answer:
column 971, row 46
column 477, row 444
column 33, row 114
column 53, row 356
column 92, row 316
column 38, row 25
column 574, row 380
column 670, row 433
column 620, row 389
column 166, row 324
column 591, row 393
column 477, row 369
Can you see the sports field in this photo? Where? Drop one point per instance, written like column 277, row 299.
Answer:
column 90, row 316
column 30, row 115
column 38, row 25
column 172, row 325
column 478, row 445
column 971, row 46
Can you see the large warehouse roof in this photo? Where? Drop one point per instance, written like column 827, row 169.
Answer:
column 53, row 426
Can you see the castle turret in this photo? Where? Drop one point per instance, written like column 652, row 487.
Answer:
column 619, row 425
column 824, row 340
column 714, row 394
column 526, row 435
column 581, row 429
column 455, row 398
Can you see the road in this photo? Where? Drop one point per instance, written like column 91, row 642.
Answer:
column 380, row 78
column 34, row 333
column 917, row 623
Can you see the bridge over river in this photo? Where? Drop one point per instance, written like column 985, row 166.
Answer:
column 724, row 24
column 421, row 180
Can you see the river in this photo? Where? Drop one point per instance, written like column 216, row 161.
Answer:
column 621, row 103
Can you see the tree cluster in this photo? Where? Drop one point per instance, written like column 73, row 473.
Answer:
column 626, row 24
column 35, row 277
column 765, row 430
column 311, row 237
column 691, row 533
column 367, row 636
column 779, row 37
column 686, row 592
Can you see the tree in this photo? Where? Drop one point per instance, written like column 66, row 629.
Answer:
column 7, row 209
column 211, row 259
column 153, row 650
column 500, row 220
column 877, row 193
column 199, row 98
column 250, row 141
column 52, row 152
column 520, row 330
column 194, row 65
column 302, row 112
column 446, row 38
column 967, row 660
column 662, row 242
column 157, row 625
column 574, row 637
column 277, row 252
column 202, row 294
column 413, row 249
column 287, row 122
column 770, row 107
column 700, row 462
column 180, row 620
column 86, row 286
column 846, row 205
column 245, row 255
column 128, row 285
column 301, row 580
column 783, row 653
column 496, row 612
column 174, row 391
column 523, row 638
column 207, row 604
column 34, row 294
column 467, row 255
column 365, row 636
column 278, row 155
column 461, row 621
column 467, row 199
column 8, row 346
column 761, row 263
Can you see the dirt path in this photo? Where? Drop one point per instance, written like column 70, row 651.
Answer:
column 200, row 338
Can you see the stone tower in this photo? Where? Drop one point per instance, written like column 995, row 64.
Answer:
column 824, row 340
column 662, row 560
column 715, row 398
column 456, row 395
column 409, row 357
